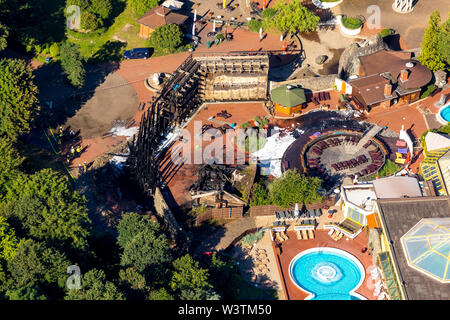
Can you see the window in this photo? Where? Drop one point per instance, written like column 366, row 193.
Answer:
column 355, row 216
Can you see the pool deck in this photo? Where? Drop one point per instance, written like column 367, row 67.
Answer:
column 290, row 248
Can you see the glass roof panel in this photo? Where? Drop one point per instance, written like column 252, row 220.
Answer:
column 416, row 247
column 427, row 245
column 433, row 263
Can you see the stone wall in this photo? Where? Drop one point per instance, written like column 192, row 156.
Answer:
column 349, row 62
column 317, row 83
column 165, row 214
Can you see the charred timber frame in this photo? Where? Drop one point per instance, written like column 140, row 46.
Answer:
column 179, row 99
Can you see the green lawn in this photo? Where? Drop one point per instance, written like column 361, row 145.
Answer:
column 105, row 48
column 99, row 39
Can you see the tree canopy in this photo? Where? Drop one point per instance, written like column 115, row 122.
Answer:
column 19, row 104
column 48, row 209
column 444, row 41
column 291, row 17
column 8, row 240
column 144, row 246
column 95, row 287
column 36, row 265
column 10, row 161
column 4, row 32
column 190, row 281
column 168, row 36
column 293, row 187
column 142, row 6
column 72, row 63
column 431, row 57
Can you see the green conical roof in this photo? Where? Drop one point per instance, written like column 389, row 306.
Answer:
column 288, row 96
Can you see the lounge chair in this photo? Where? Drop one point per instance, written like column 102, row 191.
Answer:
column 278, row 237
column 299, row 235
column 305, row 235
column 311, row 234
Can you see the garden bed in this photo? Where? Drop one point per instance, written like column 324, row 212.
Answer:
column 350, row 26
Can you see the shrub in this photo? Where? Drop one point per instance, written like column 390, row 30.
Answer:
column 54, row 50
column 268, row 13
column 254, row 25
column 430, row 89
column 102, row 8
column 89, row 21
column 167, row 37
column 253, row 237
column 351, row 23
column 386, row 32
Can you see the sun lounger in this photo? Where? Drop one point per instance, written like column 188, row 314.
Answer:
column 304, row 234
column 299, row 235
column 311, row 234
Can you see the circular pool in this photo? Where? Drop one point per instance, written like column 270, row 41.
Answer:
column 327, row 274
column 443, row 115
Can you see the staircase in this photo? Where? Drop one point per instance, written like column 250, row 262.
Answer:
column 369, row 135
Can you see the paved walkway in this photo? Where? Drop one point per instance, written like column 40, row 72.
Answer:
column 410, row 26
column 223, row 237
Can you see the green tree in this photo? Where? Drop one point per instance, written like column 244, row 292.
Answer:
column 144, row 246
column 430, row 56
column 102, row 8
column 292, row 18
column 160, row 294
column 142, row 6
column 254, row 25
column 48, row 209
column 4, row 33
column 26, row 293
column 259, row 196
column 10, row 161
column 293, row 187
column 72, row 63
column 90, row 21
column 54, row 50
column 444, row 41
column 18, row 98
column 36, row 265
column 83, row 4
column 95, row 287
column 191, row 281
column 131, row 224
column 8, row 240
column 168, row 37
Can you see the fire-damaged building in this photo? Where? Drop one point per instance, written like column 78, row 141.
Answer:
column 386, row 78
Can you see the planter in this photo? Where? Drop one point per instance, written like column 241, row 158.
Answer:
column 347, row 31
column 326, row 5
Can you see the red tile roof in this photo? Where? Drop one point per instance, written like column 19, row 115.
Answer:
column 394, row 62
column 160, row 16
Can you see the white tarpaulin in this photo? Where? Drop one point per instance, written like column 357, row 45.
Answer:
column 173, row 4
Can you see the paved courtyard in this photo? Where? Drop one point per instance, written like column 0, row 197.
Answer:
column 410, row 26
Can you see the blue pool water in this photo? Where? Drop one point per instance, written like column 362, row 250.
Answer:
column 445, row 113
column 329, row 274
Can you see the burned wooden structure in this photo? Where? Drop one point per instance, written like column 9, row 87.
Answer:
column 198, row 79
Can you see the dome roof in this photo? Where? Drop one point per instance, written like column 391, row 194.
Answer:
column 427, row 248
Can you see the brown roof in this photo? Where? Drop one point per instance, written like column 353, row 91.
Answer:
column 394, row 62
column 160, row 16
column 371, row 89
column 399, row 216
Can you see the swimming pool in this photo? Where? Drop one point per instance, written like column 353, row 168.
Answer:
column 327, row 274
column 443, row 115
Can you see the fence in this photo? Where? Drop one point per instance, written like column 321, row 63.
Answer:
column 220, row 213
column 270, row 209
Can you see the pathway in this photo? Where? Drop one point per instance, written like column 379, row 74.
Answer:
column 222, row 238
